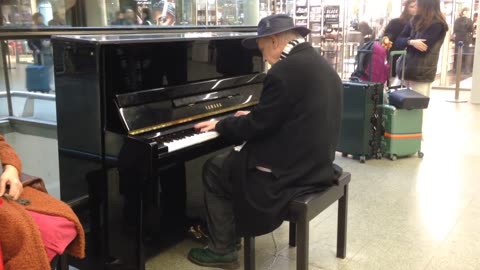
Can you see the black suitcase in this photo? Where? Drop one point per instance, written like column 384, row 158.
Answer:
column 405, row 98
column 361, row 132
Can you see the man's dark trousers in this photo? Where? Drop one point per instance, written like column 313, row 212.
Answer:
column 219, row 205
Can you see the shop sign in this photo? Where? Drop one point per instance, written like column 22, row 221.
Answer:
column 331, row 14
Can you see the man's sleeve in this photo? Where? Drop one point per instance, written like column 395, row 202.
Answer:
column 266, row 118
column 8, row 155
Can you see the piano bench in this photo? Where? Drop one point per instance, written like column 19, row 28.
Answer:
column 303, row 209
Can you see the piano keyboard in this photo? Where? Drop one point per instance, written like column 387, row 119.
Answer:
column 185, row 138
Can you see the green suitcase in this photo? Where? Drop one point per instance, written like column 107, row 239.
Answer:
column 361, row 132
column 403, row 132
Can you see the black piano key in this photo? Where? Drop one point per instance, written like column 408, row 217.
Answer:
column 178, row 135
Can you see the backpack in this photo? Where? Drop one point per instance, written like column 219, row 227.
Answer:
column 371, row 63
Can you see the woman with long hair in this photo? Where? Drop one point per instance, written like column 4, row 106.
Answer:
column 395, row 27
column 423, row 37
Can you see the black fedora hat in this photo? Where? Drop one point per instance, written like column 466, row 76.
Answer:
column 272, row 25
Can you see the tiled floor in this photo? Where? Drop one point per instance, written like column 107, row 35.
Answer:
column 407, row 214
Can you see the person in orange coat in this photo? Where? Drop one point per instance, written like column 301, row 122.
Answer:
column 11, row 170
column 31, row 235
column 9, row 176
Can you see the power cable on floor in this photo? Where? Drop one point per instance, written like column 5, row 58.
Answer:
column 276, row 252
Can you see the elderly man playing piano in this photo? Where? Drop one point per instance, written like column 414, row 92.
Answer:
column 285, row 145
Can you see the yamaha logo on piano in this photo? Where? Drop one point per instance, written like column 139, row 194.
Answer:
column 213, row 106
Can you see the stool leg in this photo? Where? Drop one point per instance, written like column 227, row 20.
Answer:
column 63, row 262
column 249, row 253
column 302, row 244
column 292, row 234
column 342, row 225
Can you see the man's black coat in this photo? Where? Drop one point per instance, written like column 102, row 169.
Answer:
column 293, row 130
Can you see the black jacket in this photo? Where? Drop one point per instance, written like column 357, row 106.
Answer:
column 422, row 66
column 294, row 131
column 392, row 31
column 463, row 30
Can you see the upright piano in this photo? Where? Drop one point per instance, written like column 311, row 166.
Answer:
column 126, row 107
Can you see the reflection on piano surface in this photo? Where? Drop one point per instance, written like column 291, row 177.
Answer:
column 126, row 109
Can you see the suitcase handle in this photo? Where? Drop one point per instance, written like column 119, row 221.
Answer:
column 384, row 106
column 355, row 79
column 394, row 53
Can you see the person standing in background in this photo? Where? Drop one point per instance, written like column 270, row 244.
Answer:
column 395, row 27
column 119, row 18
column 130, row 17
column 39, row 47
column 367, row 31
column 475, row 18
column 423, row 37
column 146, row 16
column 57, row 19
column 463, row 32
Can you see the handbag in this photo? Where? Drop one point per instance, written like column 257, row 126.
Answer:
column 33, row 182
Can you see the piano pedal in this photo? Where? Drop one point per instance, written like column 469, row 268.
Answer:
column 198, row 233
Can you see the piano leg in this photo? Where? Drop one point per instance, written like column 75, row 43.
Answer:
column 153, row 209
column 126, row 219
column 140, row 248
column 96, row 189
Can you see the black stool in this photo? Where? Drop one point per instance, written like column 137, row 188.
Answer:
column 59, row 262
column 303, row 209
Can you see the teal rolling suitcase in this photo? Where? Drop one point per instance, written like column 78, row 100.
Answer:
column 403, row 132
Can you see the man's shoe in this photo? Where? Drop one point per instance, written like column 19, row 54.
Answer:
column 206, row 257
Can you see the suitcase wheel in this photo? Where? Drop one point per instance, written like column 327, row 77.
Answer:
column 420, row 154
column 393, row 157
column 362, row 159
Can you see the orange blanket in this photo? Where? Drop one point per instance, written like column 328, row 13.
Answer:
column 1, row 256
column 22, row 244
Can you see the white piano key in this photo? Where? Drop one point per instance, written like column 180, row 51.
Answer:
column 191, row 140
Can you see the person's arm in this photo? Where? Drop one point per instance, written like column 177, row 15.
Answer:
column 469, row 26
column 267, row 117
column 390, row 30
column 32, row 46
column 264, row 119
column 391, row 33
column 430, row 37
column 12, row 167
column 401, row 41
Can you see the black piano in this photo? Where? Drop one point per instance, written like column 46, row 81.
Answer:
column 126, row 107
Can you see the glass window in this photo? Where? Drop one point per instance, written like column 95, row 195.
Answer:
column 31, row 71
column 126, row 13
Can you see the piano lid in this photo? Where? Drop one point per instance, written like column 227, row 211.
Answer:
column 157, row 37
column 156, row 109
